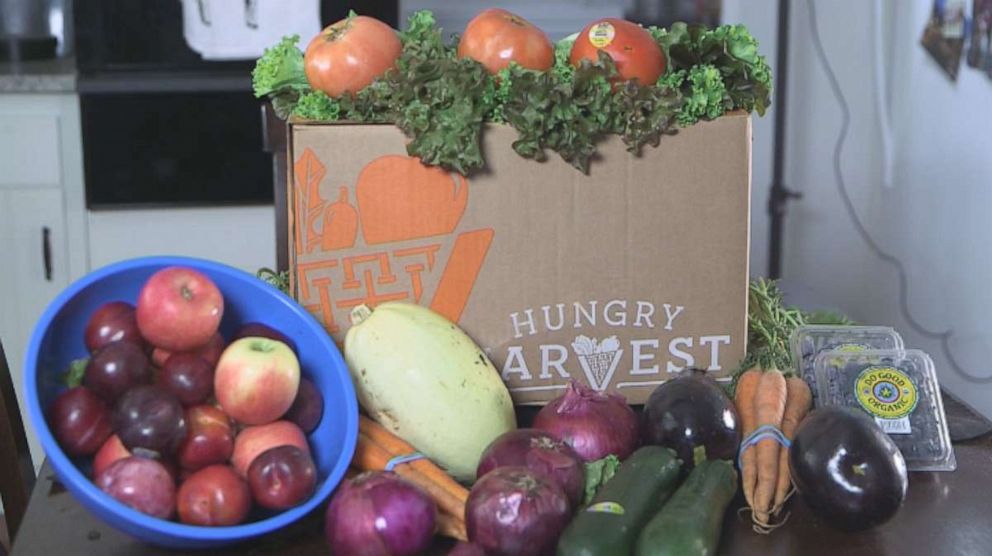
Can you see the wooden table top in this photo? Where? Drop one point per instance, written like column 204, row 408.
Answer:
column 944, row 513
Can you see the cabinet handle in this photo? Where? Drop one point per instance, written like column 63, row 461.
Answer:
column 46, row 251
column 251, row 14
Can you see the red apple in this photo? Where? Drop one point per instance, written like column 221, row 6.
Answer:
column 256, row 380
column 213, row 496
column 210, row 439
column 252, row 441
column 112, row 322
column 259, row 330
column 112, row 450
column 179, row 309
column 209, row 352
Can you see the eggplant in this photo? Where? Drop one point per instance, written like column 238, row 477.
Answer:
column 689, row 411
column 847, row 469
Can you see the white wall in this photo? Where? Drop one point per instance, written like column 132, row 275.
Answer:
column 761, row 18
column 935, row 218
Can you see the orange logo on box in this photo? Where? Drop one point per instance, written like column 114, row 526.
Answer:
column 400, row 201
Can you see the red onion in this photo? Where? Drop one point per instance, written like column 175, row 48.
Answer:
column 378, row 513
column 596, row 424
column 541, row 452
column 513, row 511
column 466, row 549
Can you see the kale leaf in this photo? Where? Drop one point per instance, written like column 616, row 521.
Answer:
column 279, row 74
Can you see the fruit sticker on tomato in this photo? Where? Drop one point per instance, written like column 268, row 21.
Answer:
column 496, row 37
column 601, row 34
column 349, row 55
column 633, row 50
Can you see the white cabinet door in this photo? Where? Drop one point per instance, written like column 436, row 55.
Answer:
column 32, row 222
column 41, row 148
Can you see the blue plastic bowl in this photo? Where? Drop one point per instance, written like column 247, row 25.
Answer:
column 58, row 339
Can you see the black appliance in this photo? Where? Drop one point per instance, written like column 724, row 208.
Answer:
column 26, row 30
column 178, row 148
column 161, row 126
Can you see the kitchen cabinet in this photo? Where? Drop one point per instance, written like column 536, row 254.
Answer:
column 42, row 229
column 32, row 228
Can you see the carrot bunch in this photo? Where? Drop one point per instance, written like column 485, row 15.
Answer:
column 766, row 398
column 377, row 446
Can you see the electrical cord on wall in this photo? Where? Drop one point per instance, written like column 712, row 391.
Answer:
column 945, row 336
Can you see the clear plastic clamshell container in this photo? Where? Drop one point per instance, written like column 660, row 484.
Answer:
column 899, row 389
column 809, row 340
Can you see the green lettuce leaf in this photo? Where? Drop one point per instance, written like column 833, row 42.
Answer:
column 315, row 105
column 566, row 115
column 279, row 75
column 597, row 474
column 74, row 374
column 441, row 102
column 562, row 68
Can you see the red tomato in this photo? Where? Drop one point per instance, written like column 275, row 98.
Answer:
column 348, row 55
column 497, row 37
column 634, row 50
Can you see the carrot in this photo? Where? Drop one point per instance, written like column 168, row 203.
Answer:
column 797, row 405
column 398, row 447
column 769, row 406
column 369, row 455
column 451, row 527
column 747, row 386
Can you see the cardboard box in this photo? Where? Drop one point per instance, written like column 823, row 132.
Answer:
column 618, row 278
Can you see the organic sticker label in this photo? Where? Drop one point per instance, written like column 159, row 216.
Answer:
column 602, row 34
column 889, row 395
column 845, row 348
column 850, row 348
column 606, row 508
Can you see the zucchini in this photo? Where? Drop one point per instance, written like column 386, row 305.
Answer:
column 609, row 525
column 689, row 524
column 425, row 380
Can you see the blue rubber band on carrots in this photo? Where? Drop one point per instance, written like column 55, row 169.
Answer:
column 759, row 434
column 406, row 458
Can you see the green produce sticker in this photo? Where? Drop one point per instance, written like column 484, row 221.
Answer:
column 606, row 508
